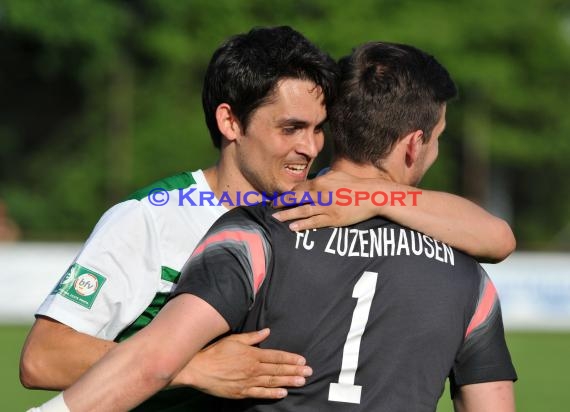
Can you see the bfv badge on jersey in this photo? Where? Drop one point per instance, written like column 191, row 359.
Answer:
column 80, row 285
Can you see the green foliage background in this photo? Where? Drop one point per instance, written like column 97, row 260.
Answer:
column 100, row 97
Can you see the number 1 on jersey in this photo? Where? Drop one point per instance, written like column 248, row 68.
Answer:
column 345, row 390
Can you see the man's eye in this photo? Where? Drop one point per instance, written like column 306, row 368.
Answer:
column 289, row 130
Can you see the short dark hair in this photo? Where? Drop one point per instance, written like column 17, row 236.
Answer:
column 245, row 70
column 386, row 91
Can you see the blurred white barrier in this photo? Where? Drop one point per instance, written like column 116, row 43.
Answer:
column 534, row 287
column 28, row 272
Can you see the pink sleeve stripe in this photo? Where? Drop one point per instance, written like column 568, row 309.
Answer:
column 484, row 308
column 254, row 243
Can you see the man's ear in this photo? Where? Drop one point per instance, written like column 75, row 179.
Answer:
column 227, row 123
column 413, row 143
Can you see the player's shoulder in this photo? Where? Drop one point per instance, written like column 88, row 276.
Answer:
column 467, row 272
column 179, row 181
column 259, row 215
column 135, row 208
column 254, row 219
column 434, row 254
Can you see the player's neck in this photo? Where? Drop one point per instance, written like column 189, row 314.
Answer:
column 224, row 180
column 363, row 171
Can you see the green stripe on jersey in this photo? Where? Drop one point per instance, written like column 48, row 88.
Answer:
column 179, row 181
column 169, row 274
column 159, row 300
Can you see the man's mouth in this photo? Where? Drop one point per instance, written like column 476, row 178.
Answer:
column 297, row 169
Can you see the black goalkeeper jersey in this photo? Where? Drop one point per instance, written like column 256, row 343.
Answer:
column 382, row 313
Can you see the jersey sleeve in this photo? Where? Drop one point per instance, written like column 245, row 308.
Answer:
column 114, row 277
column 483, row 356
column 228, row 267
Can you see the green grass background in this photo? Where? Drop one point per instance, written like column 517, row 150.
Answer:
column 542, row 361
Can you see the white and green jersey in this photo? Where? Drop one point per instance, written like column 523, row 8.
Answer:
column 130, row 263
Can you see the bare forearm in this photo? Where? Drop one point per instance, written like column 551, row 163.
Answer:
column 446, row 217
column 104, row 387
column 145, row 363
column 458, row 222
column 54, row 356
